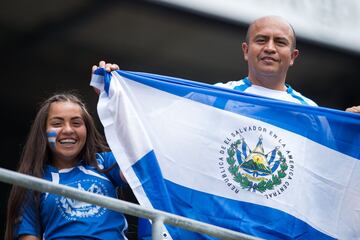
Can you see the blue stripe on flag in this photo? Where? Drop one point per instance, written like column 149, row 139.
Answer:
column 107, row 78
column 149, row 174
column 244, row 217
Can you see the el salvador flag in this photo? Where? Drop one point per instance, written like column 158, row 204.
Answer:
column 264, row 167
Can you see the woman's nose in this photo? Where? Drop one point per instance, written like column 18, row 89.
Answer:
column 67, row 128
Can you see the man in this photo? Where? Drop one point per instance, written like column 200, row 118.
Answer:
column 269, row 49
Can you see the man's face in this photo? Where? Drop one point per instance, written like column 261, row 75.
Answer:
column 269, row 51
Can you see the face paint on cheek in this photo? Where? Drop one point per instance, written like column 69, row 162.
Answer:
column 52, row 139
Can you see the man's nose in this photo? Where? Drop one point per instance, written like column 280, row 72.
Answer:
column 270, row 46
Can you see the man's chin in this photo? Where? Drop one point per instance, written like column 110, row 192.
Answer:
column 269, row 70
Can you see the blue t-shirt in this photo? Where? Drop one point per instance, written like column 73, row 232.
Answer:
column 64, row 218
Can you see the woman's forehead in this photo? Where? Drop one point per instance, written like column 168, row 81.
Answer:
column 65, row 108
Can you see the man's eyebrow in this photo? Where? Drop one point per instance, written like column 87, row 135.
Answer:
column 261, row 36
column 282, row 38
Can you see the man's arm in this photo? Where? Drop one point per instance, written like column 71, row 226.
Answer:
column 354, row 109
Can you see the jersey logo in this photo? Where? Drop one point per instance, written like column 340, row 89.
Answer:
column 73, row 209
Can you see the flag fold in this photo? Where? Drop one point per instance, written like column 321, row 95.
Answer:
column 260, row 166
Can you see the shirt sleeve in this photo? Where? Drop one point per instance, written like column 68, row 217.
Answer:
column 29, row 222
column 107, row 159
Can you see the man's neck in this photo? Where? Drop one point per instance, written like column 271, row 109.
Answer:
column 269, row 82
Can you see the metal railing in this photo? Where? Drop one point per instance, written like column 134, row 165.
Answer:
column 158, row 217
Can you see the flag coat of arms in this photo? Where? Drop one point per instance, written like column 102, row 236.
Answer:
column 264, row 167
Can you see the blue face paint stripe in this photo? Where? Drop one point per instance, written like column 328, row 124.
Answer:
column 51, row 134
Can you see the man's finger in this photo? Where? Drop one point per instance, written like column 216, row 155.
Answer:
column 115, row 67
column 102, row 64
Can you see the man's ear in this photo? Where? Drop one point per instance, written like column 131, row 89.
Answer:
column 295, row 53
column 245, row 49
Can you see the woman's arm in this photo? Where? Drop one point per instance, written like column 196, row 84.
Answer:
column 29, row 237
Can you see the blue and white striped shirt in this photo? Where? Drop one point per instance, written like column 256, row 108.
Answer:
column 290, row 95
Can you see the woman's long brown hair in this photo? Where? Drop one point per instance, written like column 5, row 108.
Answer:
column 36, row 155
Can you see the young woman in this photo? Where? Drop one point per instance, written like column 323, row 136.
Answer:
column 65, row 147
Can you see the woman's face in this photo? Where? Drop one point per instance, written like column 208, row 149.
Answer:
column 66, row 133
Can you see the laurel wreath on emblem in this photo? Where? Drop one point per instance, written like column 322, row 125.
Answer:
column 244, row 181
column 75, row 208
